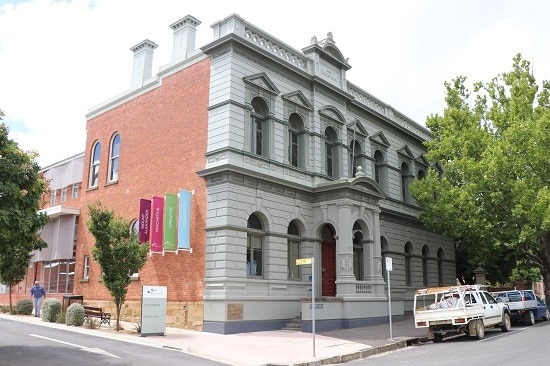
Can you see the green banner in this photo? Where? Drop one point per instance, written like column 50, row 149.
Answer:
column 170, row 210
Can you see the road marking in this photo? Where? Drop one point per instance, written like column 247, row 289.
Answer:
column 87, row 349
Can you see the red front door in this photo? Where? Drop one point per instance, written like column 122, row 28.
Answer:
column 328, row 269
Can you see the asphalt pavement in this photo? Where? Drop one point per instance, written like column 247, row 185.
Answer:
column 277, row 348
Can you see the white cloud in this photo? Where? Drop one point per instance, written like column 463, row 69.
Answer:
column 60, row 58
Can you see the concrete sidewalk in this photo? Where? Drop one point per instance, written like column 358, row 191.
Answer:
column 267, row 348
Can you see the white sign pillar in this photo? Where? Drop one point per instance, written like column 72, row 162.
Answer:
column 389, row 268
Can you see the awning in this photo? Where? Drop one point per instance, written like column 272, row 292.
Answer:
column 59, row 234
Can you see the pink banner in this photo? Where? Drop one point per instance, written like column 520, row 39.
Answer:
column 144, row 220
column 157, row 219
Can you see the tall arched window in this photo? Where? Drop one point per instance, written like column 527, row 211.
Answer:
column 254, row 247
column 258, row 124
column 440, row 256
column 295, row 141
column 293, row 253
column 379, row 167
column 94, row 165
column 358, row 263
column 354, row 157
column 114, row 155
column 408, row 264
column 384, row 252
column 425, row 273
column 331, row 164
column 405, row 180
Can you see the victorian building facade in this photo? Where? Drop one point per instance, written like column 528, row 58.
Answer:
column 287, row 160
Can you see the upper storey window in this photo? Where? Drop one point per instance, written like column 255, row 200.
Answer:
column 296, row 141
column 94, row 165
column 405, row 182
column 355, row 159
column 259, row 127
column 331, row 162
column 380, row 170
column 114, row 158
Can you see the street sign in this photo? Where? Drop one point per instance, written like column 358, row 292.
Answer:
column 389, row 266
column 302, row 261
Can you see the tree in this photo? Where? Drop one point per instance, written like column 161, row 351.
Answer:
column 492, row 190
column 21, row 189
column 117, row 251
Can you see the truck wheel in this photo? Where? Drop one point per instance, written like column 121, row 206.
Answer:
column 438, row 337
column 530, row 318
column 506, row 324
column 480, row 329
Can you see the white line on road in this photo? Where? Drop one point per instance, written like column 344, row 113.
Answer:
column 87, row 349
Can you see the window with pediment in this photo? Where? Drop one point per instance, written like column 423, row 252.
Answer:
column 355, row 157
column 296, row 141
column 331, row 152
column 259, row 128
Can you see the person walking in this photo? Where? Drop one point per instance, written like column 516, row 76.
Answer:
column 37, row 294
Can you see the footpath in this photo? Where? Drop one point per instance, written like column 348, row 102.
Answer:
column 268, row 348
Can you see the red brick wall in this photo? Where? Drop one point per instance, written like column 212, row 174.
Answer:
column 163, row 140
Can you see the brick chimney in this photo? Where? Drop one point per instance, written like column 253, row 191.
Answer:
column 184, row 37
column 143, row 62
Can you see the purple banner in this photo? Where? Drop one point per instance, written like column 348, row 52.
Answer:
column 157, row 223
column 144, row 220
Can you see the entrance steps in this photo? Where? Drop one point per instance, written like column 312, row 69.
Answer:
column 295, row 324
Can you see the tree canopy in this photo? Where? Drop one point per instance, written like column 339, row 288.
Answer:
column 489, row 185
column 117, row 251
column 21, row 189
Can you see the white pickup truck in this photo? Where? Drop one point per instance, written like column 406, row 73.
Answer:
column 522, row 304
column 465, row 309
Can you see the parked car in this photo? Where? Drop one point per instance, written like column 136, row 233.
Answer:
column 542, row 311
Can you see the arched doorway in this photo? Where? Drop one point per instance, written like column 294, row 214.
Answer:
column 328, row 262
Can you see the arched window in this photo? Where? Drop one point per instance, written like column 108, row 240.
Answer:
column 379, row 167
column 354, row 157
column 114, row 155
column 293, row 253
column 296, row 153
column 440, row 257
column 421, row 174
column 254, row 247
column 259, row 130
column 425, row 256
column 408, row 264
column 94, row 165
column 384, row 252
column 358, row 263
column 405, row 180
column 331, row 164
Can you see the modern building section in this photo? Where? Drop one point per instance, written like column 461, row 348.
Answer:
column 287, row 160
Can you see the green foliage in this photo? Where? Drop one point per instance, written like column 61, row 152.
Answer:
column 137, row 327
column 60, row 318
column 75, row 315
column 492, row 188
column 4, row 308
column 51, row 308
column 24, row 307
column 21, row 188
column 117, row 251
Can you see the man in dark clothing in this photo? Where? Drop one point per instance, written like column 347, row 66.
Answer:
column 37, row 293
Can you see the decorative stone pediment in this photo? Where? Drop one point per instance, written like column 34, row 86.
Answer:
column 406, row 152
column 422, row 160
column 298, row 98
column 333, row 114
column 380, row 139
column 263, row 81
column 356, row 127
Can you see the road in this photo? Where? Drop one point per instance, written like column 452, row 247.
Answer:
column 523, row 345
column 24, row 344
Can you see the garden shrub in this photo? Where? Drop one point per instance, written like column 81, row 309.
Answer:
column 24, row 307
column 51, row 309
column 75, row 315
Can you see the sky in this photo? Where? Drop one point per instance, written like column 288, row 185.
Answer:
column 60, row 58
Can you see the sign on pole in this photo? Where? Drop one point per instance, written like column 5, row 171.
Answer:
column 300, row 262
column 389, row 268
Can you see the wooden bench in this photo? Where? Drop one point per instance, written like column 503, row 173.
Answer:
column 95, row 312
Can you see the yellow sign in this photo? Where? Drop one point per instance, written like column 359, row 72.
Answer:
column 301, row 261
